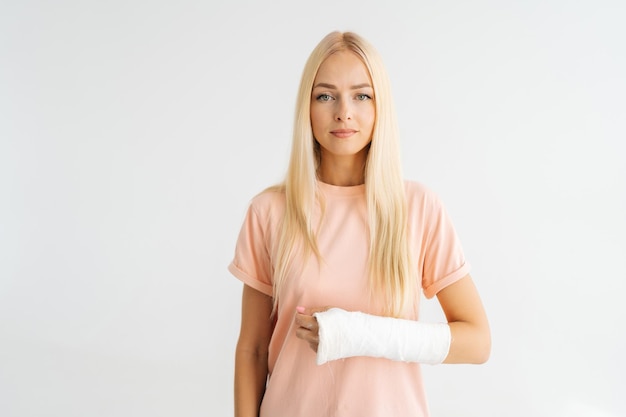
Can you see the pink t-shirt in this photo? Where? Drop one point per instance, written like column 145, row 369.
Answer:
column 352, row 387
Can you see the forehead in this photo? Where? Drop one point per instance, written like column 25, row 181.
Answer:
column 343, row 67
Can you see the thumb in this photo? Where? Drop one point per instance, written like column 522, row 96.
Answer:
column 311, row 311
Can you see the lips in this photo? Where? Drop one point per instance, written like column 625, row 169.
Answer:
column 343, row 133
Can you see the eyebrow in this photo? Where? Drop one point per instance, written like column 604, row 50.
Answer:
column 332, row 87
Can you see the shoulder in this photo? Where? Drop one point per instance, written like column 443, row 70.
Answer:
column 269, row 201
column 417, row 192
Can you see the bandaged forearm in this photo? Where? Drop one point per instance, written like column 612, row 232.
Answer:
column 344, row 334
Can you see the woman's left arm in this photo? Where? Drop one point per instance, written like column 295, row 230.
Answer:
column 469, row 327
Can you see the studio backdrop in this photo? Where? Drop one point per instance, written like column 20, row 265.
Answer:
column 133, row 135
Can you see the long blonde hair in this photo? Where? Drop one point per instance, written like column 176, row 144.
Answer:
column 389, row 267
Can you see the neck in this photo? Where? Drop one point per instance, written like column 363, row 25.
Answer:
column 342, row 173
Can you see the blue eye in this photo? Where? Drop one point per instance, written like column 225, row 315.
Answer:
column 324, row 97
column 362, row 97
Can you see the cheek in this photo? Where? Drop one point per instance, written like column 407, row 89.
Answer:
column 370, row 116
column 316, row 118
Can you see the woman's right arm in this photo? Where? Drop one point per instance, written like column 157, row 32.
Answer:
column 251, row 354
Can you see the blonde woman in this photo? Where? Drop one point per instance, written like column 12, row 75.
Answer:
column 333, row 261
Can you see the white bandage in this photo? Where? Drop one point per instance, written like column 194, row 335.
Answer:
column 344, row 334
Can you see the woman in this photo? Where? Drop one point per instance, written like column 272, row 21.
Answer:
column 333, row 260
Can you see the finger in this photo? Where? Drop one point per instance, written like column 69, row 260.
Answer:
column 311, row 311
column 311, row 338
column 307, row 322
column 302, row 333
column 314, row 310
column 306, row 334
column 300, row 319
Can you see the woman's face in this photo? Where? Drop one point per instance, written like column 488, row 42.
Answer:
column 342, row 107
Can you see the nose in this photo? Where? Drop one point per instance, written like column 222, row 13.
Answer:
column 343, row 111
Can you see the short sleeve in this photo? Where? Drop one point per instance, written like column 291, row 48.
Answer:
column 444, row 261
column 251, row 263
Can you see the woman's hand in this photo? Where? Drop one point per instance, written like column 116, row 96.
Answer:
column 307, row 328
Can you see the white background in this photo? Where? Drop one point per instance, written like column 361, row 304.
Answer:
column 133, row 134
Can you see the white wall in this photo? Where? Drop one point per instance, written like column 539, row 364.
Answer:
column 133, row 133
